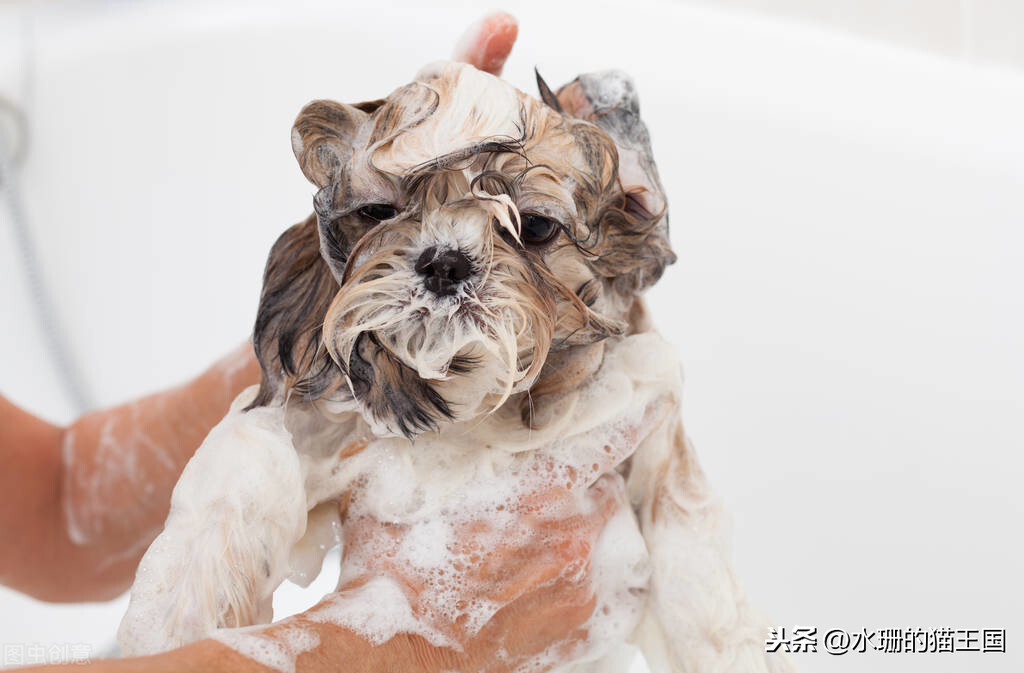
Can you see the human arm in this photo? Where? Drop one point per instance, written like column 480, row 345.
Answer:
column 79, row 504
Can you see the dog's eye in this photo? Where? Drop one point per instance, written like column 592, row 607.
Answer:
column 537, row 229
column 378, row 211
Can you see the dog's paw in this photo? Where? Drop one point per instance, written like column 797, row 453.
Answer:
column 187, row 588
column 238, row 508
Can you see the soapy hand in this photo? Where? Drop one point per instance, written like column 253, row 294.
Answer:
column 522, row 590
column 543, row 580
column 537, row 577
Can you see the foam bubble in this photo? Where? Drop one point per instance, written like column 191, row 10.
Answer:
column 423, row 522
column 477, row 474
column 279, row 651
column 377, row 610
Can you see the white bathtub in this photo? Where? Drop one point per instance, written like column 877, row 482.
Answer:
column 849, row 220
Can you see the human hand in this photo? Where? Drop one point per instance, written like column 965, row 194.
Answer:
column 529, row 576
column 544, row 582
column 514, row 574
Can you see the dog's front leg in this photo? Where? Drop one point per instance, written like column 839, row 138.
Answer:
column 237, row 509
column 698, row 619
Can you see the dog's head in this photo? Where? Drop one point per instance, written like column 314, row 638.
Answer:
column 469, row 243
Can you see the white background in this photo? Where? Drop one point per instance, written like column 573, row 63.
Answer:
column 849, row 219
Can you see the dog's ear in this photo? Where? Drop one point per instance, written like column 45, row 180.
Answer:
column 546, row 94
column 297, row 290
column 322, row 137
column 609, row 100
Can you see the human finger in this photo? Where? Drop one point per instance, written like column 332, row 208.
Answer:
column 487, row 43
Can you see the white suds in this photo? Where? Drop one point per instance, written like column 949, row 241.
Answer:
column 278, row 652
column 236, row 511
column 378, row 610
column 243, row 494
column 476, row 474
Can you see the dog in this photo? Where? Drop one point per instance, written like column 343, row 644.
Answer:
column 458, row 322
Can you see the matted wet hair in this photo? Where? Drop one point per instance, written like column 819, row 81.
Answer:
column 319, row 332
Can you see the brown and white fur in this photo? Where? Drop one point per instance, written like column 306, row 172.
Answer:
column 474, row 255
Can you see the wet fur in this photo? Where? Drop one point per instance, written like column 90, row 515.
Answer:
column 324, row 274
column 339, row 319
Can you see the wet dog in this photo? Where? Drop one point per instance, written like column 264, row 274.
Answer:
column 465, row 298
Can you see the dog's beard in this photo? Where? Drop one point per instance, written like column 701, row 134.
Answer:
column 414, row 359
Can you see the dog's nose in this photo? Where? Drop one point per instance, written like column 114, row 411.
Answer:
column 443, row 270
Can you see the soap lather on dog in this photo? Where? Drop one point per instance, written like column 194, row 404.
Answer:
column 455, row 335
